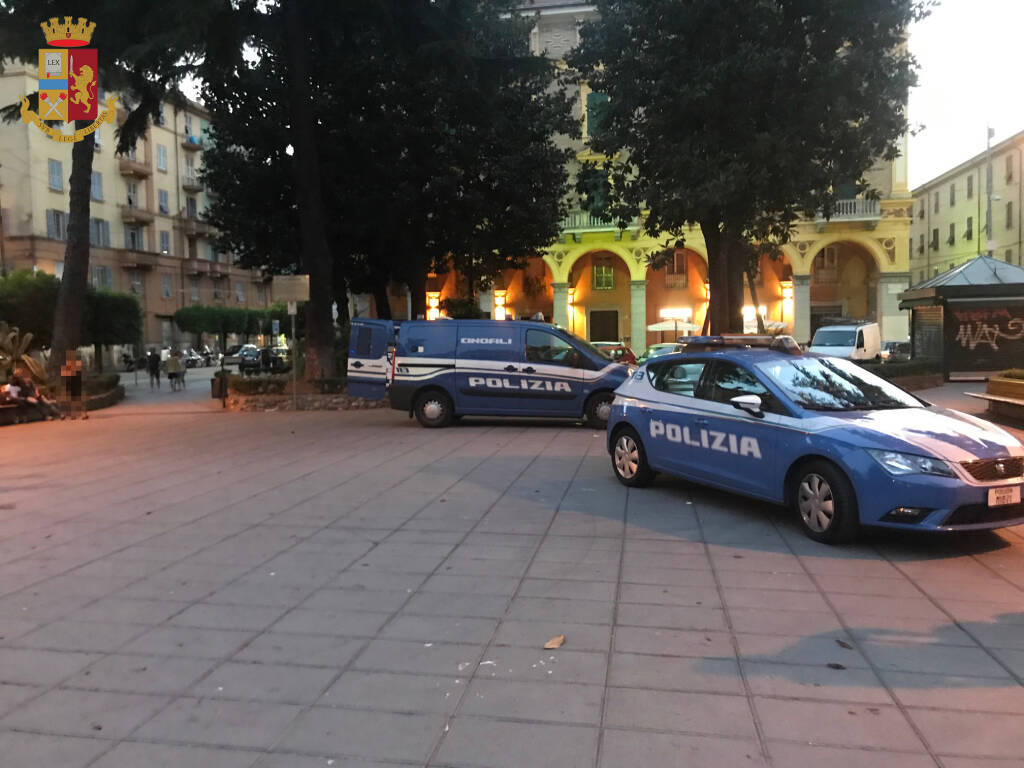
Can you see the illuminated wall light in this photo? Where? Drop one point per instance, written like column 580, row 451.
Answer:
column 676, row 313
column 787, row 289
column 499, row 304
column 748, row 312
column 433, row 305
column 787, row 306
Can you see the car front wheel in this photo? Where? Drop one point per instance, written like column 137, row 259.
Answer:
column 434, row 409
column 599, row 409
column 629, row 460
column 825, row 503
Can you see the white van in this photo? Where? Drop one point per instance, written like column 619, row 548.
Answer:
column 860, row 341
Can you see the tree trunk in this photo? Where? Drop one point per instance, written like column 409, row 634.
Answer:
column 380, row 298
column 737, row 261
column 97, row 351
column 418, row 288
column 754, row 300
column 718, row 277
column 341, row 297
column 316, row 258
column 70, row 312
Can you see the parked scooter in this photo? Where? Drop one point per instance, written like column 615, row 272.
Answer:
column 128, row 361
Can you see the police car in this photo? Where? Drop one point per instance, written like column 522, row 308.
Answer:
column 443, row 369
column 840, row 445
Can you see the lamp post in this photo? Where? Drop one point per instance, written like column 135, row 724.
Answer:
column 572, row 309
column 989, row 244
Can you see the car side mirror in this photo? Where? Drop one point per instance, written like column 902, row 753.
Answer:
column 749, row 403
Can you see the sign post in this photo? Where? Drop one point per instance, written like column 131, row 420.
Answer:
column 293, row 289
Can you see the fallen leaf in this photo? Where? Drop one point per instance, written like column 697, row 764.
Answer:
column 835, row 665
column 555, row 642
column 844, row 644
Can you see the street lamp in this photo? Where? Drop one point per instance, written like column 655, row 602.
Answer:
column 500, row 297
column 433, row 305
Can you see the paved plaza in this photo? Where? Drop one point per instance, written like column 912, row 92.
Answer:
column 186, row 588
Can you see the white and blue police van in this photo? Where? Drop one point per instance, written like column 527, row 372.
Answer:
column 441, row 370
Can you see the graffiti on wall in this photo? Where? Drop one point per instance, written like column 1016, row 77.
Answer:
column 987, row 327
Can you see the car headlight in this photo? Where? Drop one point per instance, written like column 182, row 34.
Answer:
column 909, row 464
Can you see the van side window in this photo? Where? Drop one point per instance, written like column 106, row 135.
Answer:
column 363, row 341
column 546, row 348
column 675, row 378
column 860, row 339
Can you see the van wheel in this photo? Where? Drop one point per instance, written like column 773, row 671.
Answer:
column 825, row 503
column 629, row 460
column 598, row 410
column 434, row 409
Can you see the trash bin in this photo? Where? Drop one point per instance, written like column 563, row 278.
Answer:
column 218, row 387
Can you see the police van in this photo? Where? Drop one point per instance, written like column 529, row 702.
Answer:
column 442, row 369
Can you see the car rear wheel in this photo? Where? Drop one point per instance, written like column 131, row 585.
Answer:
column 825, row 503
column 629, row 460
column 434, row 409
column 599, row 409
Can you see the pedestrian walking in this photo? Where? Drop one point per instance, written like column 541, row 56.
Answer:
column 173, row 370
column 71, row 377
column 153, row 366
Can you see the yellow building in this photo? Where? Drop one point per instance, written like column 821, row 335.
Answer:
column 948, row 226
column 145, row 227
column 595, row 280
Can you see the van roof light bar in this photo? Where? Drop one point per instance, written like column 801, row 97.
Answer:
column 785, row 344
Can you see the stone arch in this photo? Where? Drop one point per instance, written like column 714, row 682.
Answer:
column 843, row 277
column 561, row 257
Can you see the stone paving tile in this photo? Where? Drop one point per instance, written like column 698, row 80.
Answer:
column 688, row 712
column 324, row 622
column 944, row 659
column 32, row 667
column 538, row 664
column 11, row 696
column 195, row 642
column 356, row 600
column 669, row 642
column 139, row 755
column 31, row 750
column 816, row 682
column 971, row 733
column 670, row 616
column 141, row 674
column 631, row 670
column 943, row 691
column 302, row 650
column 439, row 629
column 794, row 649
column 537, row 701
column 221, row 723
column 808, row 756
column 850, row 725
column 669, row 750
column 417, row 657
column 85, row 713
column 95, row 637
column 208, row 616
column 503, row 744
column 443, row 604
column 381, row 735
column 530, row 634
column 553, row 610
column 255, row 681
column 394, row 692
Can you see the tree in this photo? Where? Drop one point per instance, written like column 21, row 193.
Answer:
column 111, row 318
column 145, row 50
column 739, row 116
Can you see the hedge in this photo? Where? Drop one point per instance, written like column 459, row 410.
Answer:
column 259, row 385
column 900, row 369
column 1012, row 373
column 100, row 383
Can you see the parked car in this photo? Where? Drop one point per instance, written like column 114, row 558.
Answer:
column 854, row 341
column 280, row 359
column 619, row 353
column 233, row 355
column 190, row 358
column 895, row 351
column 250, row 361
column 656, row 350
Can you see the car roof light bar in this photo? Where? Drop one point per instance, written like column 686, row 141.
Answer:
column 785, row 344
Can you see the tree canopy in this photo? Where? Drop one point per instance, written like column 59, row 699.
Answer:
column 739, row 116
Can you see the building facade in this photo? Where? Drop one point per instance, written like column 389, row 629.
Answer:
column 948, row 227
column 146, row 229
column 595, row 281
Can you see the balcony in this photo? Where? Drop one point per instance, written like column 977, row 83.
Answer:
column 194, row 227
column 196, row 267
column 191, row 144
column 579, row 222
column 868, row 211
column 138, row 260
column 134, row 168
column 218, row 270
column 131, row 214
column 190, row 182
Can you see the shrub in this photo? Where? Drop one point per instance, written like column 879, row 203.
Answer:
column 897, row 370
column 100, row 383
column 462, row 308
column 259, row 385
column 1012, row 373
column 330, row 386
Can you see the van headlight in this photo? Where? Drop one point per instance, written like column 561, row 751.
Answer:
column 910, row 464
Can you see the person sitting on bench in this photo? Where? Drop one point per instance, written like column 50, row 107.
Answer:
column 25, row 392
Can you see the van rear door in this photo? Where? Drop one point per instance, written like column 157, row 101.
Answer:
column 368, row 357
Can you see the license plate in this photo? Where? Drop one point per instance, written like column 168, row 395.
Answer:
column 1007, row 494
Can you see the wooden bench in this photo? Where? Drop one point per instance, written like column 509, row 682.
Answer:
column 1002, row 405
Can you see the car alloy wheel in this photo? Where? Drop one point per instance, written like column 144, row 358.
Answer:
column 627, row 457
column 433, row 410
column 816, row 502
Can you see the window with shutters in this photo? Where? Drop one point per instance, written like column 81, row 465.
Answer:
column 952, row 194
column 952, row 235
column 935, row 239
column 163, row 201
column 99, row 233
column 56, row 224
column 239, row 293
column 132, row 194
column 604, row 277
column 138, row 285
column 970, row 187
column 96, row 188
column 188, row 124
column 969, row 231
column 56, row 175
column 165, row 241
column 133, row 238
column 261, row 295
column 161, row 157
column 1009, row 167
column 102, row 278
column 1009, row 255
column 597, row 112
column 193, row 288
column 165, row 287
column 935, row 202
column 191, row 207
column 1009, row 215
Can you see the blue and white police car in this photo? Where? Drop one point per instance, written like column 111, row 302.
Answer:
column 443, row 369
column 840, row 445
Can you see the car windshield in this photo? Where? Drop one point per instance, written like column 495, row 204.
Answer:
column 834, row 338
column 587, row 345
column 659, row 349
column 831, row 384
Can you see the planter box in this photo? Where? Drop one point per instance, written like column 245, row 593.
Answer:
column 218, row 387
column 920, row 381
column 1006, row 388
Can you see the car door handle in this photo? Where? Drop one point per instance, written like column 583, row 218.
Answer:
column 510, row 368
column 529, row 369
column 357, row 364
